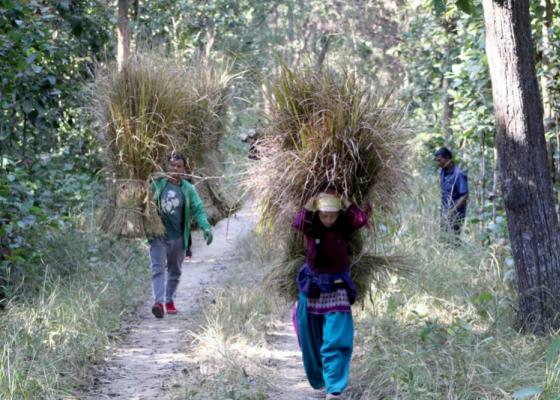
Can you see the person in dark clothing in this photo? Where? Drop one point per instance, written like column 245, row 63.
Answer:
column 454, row 193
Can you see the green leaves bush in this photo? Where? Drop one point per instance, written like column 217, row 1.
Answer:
column 46, row 51
column 37, row 201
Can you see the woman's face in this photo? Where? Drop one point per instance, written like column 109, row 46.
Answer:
column 328, row 218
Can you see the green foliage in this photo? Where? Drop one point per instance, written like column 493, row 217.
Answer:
column 451, row 46
column 39, row 198
column 551, row 387
column 46, row 52
column 441, row 6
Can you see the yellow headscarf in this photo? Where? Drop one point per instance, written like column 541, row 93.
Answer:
column 328, row 202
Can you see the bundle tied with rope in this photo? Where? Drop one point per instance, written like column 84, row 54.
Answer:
column 328, row 131
column 130, row 211
column 151, row 108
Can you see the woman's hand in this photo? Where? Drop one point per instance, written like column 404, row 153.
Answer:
column 310, row 204
column 367, row 207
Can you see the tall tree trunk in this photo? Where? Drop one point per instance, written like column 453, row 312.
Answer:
column 524, row 174
column 447, row 111
column 175, row 21
column 546, row 48
column 136, row 9
column 24, row 139
column 274, row 33
column 450, row 32
column 210, row 39
column 274, row 23
column 325, row 41
column 289, row 49
column 558, row 152
column 1, row 146
column 482, row 181
column 123, row 35
column 306, row 34
column 495, row 183
column 545, row 78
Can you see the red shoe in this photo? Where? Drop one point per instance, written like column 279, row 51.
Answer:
column 170, row 307
column 157, row 310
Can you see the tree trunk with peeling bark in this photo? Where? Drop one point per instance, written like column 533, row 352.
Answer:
column 523, row 167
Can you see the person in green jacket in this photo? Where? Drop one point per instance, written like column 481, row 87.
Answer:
column 177, row 202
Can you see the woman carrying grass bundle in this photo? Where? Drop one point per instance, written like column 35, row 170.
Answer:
column 326, row 291
column 177, row 201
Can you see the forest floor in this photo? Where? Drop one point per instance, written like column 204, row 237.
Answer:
column 154, row 353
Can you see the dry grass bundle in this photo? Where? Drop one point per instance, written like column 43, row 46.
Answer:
column 367, row 270
column 207, row 99
column 129, row 211
column 138, row 111
column 155, row 105
column 327, row 131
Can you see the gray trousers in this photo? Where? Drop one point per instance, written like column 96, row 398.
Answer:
column 166, row 255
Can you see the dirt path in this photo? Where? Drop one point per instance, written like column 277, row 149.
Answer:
column 290, row 378
column 145, row 363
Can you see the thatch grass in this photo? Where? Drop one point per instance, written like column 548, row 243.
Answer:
column 154, row 106
column 208, row 92
column 327, row 131
column 368, row 271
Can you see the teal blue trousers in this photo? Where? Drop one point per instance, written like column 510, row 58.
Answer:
column 326, row 344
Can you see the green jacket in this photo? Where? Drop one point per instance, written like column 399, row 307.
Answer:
column 193, row 206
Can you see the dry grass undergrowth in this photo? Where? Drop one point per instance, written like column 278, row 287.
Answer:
column 449, row 334
column 228, row 347
column 50, row 341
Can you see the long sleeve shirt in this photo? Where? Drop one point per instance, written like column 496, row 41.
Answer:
column 327, row 248
column 454, row 185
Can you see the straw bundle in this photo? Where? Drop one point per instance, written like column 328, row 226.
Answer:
column 128, row 212
column 155, row 105
column 326, row 131
column 207, row 98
